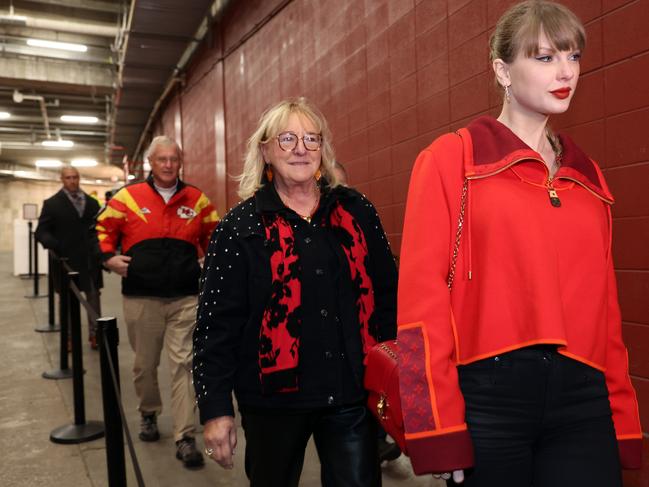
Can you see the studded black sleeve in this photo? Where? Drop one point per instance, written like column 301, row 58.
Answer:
column 221, row 316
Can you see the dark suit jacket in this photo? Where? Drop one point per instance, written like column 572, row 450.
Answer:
column 62, row 230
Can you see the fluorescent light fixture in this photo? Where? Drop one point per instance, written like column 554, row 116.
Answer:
column 98, row 181
column 4, row 115
column 48, row 163
column 57, row 143
column 79, row 119
column 63, row 46
column 131, row 177
column 84, row 162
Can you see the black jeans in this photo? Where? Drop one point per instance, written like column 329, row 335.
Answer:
column 345, row 438
column 539, row 419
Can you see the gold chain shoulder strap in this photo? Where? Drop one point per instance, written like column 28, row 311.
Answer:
column 458, row 235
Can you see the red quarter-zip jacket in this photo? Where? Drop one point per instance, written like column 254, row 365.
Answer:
column 528, row 272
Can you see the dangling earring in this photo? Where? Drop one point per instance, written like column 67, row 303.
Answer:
column 269, row 173
column 318, row 175
column 508, row 95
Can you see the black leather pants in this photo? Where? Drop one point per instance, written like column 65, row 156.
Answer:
column 345, row 438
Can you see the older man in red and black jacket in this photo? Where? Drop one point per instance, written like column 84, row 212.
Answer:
column 163, row 226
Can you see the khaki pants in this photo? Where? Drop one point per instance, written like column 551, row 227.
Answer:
column 152, row 323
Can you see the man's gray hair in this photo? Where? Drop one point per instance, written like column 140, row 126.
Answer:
column 164, row 141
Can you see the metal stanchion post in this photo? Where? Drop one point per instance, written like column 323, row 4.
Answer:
column 51, row 326
column 108, row 338
column 63, row 372
column 81, row 431
column 30, row 235
column 36, row 276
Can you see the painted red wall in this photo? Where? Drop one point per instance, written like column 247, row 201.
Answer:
column 391, row 75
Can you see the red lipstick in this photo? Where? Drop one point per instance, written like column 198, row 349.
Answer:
column 561, row 93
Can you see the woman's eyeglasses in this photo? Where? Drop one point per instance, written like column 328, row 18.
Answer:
column 288, row 141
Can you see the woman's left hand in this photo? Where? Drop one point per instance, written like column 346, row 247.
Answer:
column 220, row 436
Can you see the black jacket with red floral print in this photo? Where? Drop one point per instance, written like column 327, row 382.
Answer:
column 236, row 287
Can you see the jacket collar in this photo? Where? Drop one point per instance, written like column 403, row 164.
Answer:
column 491, row 147
column 267, row 200
column 179, row 186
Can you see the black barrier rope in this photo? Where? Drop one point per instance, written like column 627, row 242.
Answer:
column 129, row 440
column 92, row 314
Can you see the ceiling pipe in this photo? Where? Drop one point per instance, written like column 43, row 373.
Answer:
column 19, row 97
column 217, row 6
column 92, row 5
column 87, row 28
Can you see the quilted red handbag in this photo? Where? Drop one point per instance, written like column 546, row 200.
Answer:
column 382, row 384
column 381, row 369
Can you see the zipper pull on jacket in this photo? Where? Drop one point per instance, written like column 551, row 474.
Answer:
column 554, row 197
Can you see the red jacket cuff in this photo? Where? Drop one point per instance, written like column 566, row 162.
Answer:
column 439, row 454
column 630, row 453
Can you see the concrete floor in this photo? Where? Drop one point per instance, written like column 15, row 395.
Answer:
column 31, row 407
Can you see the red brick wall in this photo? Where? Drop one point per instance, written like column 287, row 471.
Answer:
column 391, row 75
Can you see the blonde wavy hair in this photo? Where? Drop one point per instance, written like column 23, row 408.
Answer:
column 271, row 123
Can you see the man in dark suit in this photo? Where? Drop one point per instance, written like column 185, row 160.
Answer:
column 67, row 226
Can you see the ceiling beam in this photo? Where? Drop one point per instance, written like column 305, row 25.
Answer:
column 88, row 27
column 77, row 78
column 94, row 5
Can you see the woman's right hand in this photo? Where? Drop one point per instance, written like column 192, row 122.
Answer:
column 220, row 435
column 458, row 476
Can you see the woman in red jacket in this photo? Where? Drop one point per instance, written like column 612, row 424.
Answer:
column 518, row 376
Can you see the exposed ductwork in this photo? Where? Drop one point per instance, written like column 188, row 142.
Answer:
column 162, row 37
column 41, row 82
column 18, row 97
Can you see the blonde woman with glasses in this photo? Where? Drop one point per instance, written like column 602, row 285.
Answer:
column 299, row 282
